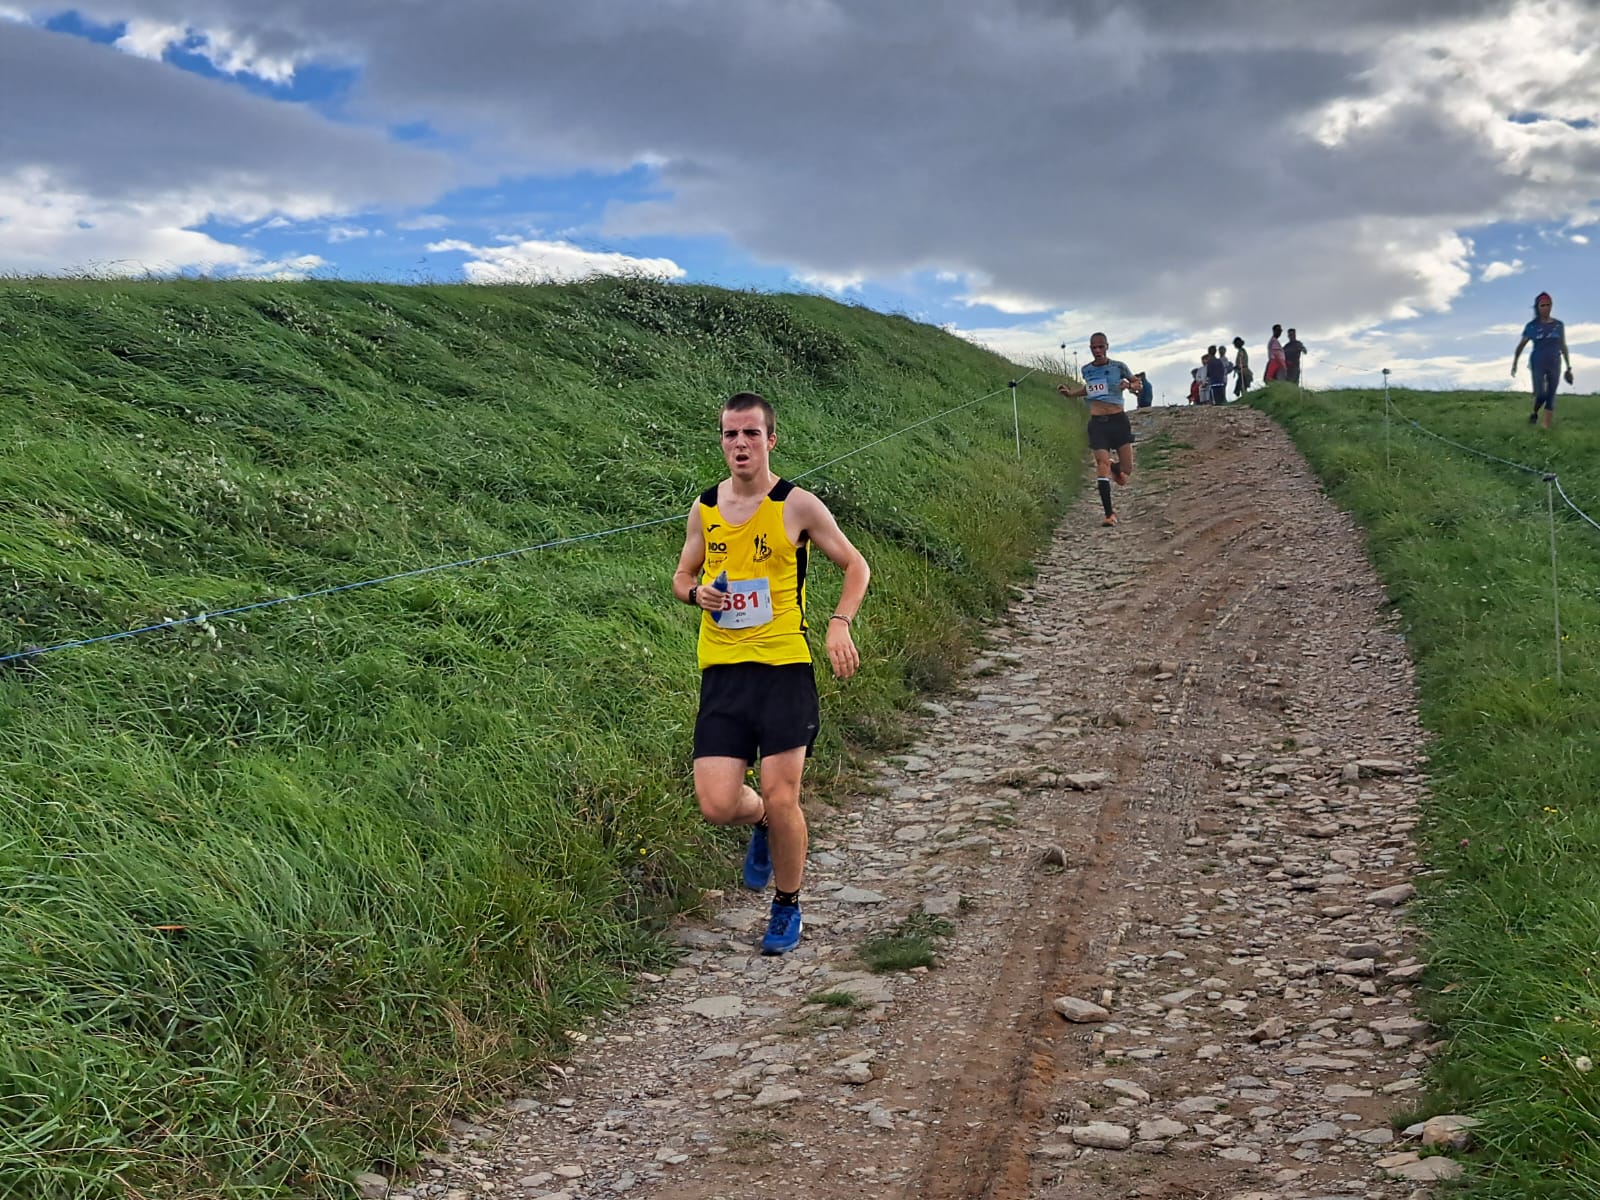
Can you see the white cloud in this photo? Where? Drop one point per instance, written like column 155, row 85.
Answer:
column 534, row 261
column 833, row 284
column 348, row 233
column 1001, row 302
column 1501, row 270
column 46, row 229
column 1579, row 239
column 1583, row 333
column 149, row 39
column 298, row 267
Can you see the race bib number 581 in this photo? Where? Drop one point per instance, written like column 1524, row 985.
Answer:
column 749, row 604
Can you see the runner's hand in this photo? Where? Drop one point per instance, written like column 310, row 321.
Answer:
column 842, row 653
column 1513, row 370
column 1568, row 377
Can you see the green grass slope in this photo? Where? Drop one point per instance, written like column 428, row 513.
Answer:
column 285, row 888
column 1513, row 834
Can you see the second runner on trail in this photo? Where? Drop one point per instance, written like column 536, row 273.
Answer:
column 1110, row 435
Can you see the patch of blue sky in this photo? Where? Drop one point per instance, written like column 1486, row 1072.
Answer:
column 553, row 204
column 1535, row 117
column 78, row 25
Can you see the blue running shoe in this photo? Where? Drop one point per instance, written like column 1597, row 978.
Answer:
column 757, row 860
column 783, row 929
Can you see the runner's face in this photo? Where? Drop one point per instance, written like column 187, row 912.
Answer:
column 746, row 443
column 1098, row 348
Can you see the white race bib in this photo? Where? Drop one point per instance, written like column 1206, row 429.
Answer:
column 1097, row 389
column 749, row 604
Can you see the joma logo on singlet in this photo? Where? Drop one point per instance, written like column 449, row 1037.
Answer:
column 762, row 553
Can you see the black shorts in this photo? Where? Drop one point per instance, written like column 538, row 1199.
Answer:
column 751, row 708
column 1110, row 432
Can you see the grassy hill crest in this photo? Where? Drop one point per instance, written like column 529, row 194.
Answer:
column 283, row 889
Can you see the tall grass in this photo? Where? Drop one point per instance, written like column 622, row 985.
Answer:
column 1513, row 828
column 284, row 890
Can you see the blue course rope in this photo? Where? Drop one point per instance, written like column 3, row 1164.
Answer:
column 907, row 429
column 479, row 560
column 178, row 622
column 1562, row 493
column 1546, row 475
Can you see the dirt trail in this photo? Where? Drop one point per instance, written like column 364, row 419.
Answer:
column 1206, row 719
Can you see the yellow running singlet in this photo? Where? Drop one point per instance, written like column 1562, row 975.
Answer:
column 766, row 577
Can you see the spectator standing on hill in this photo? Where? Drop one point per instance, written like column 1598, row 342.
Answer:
column 1147, row 394
column 1195, row 386
column 743, row 566
column 1110, row 434
column 1217, row 371
column 1292, row 350
column 1242, row 378
column 1275, row 360
column 1549, row 338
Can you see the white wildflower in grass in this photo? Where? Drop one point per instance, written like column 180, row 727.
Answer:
column 1583, row 1063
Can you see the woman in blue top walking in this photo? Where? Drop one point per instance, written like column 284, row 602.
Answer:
column 1549, row 338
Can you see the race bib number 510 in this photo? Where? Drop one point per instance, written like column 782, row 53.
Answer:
column 749, row 604
column 1097, row 389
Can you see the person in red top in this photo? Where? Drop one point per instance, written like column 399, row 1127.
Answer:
column 1277, row 365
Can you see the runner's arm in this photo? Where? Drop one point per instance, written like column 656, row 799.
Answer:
column 687, row 576
column 817, row 523
column 1517, row 357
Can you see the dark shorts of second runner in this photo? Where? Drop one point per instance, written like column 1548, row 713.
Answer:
column 755, row 708
column 1110, row 431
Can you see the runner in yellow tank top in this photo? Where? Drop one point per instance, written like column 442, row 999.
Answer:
column 744, row 566
column 763, row 574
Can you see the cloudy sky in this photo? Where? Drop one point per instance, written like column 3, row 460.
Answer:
column 1395, row 178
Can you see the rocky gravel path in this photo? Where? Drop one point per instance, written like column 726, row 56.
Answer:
column 1165, row 828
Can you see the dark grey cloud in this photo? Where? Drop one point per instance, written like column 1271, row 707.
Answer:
column 1154, row 157
column 112, row 127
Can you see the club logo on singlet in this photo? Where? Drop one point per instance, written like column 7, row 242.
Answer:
column 762, row 552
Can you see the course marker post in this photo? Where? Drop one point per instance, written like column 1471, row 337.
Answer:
column 1016, row 421
column 1386, row 465
column 1555, row 585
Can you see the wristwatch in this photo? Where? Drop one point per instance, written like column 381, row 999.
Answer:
column 694, row 595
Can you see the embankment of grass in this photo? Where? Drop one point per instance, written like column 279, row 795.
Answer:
column 1513, row 829
column 284, row 889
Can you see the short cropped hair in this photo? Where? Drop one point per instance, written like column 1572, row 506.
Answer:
column 745, row 401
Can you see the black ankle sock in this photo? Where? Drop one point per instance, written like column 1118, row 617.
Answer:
column 1105, row 494
column 787, row 899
